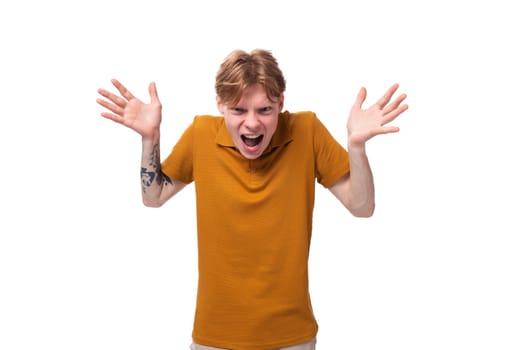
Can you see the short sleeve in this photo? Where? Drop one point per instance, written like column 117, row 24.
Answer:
column 331, row 159
column 179, row 163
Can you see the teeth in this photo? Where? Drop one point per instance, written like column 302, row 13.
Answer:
column 253, row 137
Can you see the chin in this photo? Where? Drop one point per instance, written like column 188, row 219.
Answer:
column 250, row 156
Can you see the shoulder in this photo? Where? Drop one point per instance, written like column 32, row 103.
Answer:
column 207, row 123
column 298, row 118
column 300, row 121
column 301, row 116
column 207, row 120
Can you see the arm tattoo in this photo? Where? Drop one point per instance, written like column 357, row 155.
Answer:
column 154, row 171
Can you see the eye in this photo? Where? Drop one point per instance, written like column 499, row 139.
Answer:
column 237, row 110
column 265, row 110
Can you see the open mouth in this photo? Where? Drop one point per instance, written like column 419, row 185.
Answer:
column 252, row 140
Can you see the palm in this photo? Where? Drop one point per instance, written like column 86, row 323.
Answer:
column 141, row 117
column 363, row 124
column 132, row 112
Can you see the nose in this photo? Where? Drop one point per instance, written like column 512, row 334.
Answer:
column 251, row 121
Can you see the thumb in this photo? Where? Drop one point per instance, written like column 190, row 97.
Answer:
column 153, row 93
column 361, row 96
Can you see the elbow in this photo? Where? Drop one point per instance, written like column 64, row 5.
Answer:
column 364, row 211
column 151, row 204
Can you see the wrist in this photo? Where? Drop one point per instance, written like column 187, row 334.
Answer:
column 356, row 147
column 152, row 137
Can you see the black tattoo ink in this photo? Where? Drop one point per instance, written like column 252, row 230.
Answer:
column 155, row 173
column 163, row 178
column 147, row 177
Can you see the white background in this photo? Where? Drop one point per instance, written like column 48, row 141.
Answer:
column 441, row 265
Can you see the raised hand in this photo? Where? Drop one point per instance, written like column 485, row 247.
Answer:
column 129, row 111
column 363, row 124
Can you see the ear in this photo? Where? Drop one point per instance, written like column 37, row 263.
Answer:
column 281, row 103
column 220, row 105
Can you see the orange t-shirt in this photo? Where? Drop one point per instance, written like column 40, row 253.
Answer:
column 254, row 223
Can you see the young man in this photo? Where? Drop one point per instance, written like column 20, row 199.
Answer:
column 254, row 170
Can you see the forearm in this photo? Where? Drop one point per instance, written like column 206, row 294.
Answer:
column 361, row 201
column 153, row 180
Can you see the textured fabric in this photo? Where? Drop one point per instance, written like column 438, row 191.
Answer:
column 303, row 346
column 254, row 221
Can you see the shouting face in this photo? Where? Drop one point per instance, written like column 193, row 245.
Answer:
column 252, row 121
